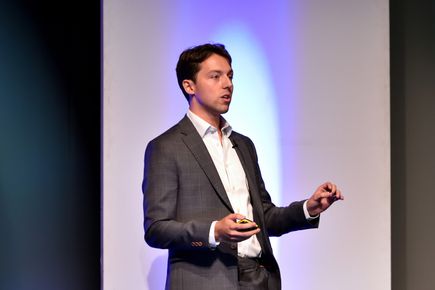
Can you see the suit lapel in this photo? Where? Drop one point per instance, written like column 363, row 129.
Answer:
column 245, row 158
column 195, row 144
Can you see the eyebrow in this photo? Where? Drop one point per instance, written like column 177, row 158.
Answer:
column 221, row 72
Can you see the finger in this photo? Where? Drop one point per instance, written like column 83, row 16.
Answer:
column 235, row 216
column 246, row 226
column 326, row 203
column 323, row 194
column 328, row 186
column 339, row 195
column 235, row 236
column 323, row 187
column 253, row 232
column 333, row 188
column 241, row 236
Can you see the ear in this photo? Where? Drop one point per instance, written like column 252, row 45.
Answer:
column 189, row 86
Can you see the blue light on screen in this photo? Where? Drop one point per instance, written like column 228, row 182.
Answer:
column 253, row 110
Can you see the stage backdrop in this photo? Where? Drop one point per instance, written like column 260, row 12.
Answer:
column 311, row 90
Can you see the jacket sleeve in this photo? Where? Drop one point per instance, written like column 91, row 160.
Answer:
column 280, row 220
column 160, row 193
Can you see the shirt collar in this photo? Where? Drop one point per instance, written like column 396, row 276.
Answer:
column 205, row 128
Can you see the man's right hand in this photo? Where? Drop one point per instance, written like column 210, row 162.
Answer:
column 228, row 230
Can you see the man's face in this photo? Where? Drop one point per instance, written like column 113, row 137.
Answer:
column 213, row 88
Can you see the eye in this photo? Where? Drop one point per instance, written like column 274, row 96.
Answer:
column 215, row 76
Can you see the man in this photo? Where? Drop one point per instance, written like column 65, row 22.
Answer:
column 204, row 197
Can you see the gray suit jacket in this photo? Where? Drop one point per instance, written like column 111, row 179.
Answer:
column 183, row 194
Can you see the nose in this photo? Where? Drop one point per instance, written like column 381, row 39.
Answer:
column 228, row 83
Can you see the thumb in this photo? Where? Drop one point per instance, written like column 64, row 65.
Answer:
column 236, row 216
column 323, row 194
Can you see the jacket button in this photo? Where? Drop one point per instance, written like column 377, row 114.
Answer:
column 196, row 244
column 233, row 246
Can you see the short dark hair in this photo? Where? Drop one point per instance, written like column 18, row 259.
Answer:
column 190, row 59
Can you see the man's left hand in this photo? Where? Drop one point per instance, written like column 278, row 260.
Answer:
column 324, row 196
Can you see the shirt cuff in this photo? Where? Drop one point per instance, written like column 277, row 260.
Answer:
column 307, row 214
column 211, row 240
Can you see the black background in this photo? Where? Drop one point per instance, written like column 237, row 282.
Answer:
column 50, row 144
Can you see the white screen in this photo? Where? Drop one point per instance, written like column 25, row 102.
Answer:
column 311, row 90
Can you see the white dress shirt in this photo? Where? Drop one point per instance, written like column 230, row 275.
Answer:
column 233, row 178
column 232, row 175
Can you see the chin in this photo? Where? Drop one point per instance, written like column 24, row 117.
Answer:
column 225, row 111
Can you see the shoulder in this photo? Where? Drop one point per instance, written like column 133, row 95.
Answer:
column 167, row 140
column 168, row 136
column 174, row 136
column 245, row 143
column 242, row 138
column 183, row 127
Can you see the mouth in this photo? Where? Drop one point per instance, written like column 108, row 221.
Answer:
column 226, row 97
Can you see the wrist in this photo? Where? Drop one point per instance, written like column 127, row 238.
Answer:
column 216, row 232
column 213, row 242
column 310, row 210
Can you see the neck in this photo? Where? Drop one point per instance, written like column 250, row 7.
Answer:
column 214, row 120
